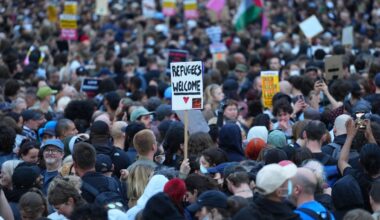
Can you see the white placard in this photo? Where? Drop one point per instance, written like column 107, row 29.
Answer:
column 149, row 8
column 101, row 7
column 187, row 85
column 311, row 27
column 348, row 36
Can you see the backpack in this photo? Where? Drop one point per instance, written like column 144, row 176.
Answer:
column 337, row 149
column 106, row 197
column 326, row 215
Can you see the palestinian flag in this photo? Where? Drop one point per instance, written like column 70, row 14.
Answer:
column 248, row 11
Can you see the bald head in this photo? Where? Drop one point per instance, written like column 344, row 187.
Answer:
column 117, row 129
column 307, row 180
column 340, row 124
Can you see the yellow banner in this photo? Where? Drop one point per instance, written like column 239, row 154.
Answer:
column 270, row 86
column 168, row 4
column 52, row 13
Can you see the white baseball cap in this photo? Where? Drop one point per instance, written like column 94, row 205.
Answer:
column 272, row 176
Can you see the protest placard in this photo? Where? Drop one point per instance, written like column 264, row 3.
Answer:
column 191, row 9
column 214, row 34
column 334, row 67
column 348, row 36
column 90, row 85
column 187, row 85
column 149, row 8
column 168, row 7
column 68, row 21
column 270, row 86
column 176, row 56
column 311, row 27
column 101, row 7
column 52, row 13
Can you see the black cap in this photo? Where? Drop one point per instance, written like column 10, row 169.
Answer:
column 82, row 71
column 103, row 163
column 31, row 115
column 211, row 198
column 24, row 177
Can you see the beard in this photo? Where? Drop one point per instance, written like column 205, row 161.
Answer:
column 51, row 161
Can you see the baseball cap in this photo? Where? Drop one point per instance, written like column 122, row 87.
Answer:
column 128, row 61
column 168, row 93
column 103, row 163
column 82, row 71
column 31, row 115
column 52, row 142
column 241, row 68
column 272, row 176
column 163, row 111
column 44, row 91
column 211, row 198
column 106, row 72
column 138, row 112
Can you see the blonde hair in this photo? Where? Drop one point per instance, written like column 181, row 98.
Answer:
column 209, row 95
column 137, row 180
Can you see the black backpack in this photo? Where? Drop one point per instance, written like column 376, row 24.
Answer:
column 111, row 196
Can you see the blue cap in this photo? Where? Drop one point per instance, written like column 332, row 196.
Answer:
column 168, row 93
column 52, row 142
column 219, row 168
column 210, row 198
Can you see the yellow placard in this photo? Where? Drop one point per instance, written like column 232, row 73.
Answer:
column 68, row 24
column 71, row 8
column 191, row 6
column 270, row 86
column 52, row 13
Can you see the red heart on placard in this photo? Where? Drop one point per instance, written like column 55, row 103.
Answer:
column 185, row 99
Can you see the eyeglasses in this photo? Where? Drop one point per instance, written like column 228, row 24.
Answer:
column 52, row 151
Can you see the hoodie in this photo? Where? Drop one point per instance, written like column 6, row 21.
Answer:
column 265, row 209
column 230, row 141
column 258, row 132
column 154, row 186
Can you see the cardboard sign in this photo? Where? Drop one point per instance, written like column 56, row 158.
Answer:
column 176, row 56
column 311, row 27
column 270, row 86
column 348, row 36
column 187, row 85
column 68, row 21
column 222, row 56
column 101, row 7
column 197, row 122
column 334, row 67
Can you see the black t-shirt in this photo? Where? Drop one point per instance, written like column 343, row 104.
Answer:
column 325, row 159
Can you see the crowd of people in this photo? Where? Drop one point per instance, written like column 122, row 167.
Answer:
column 118, row 151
